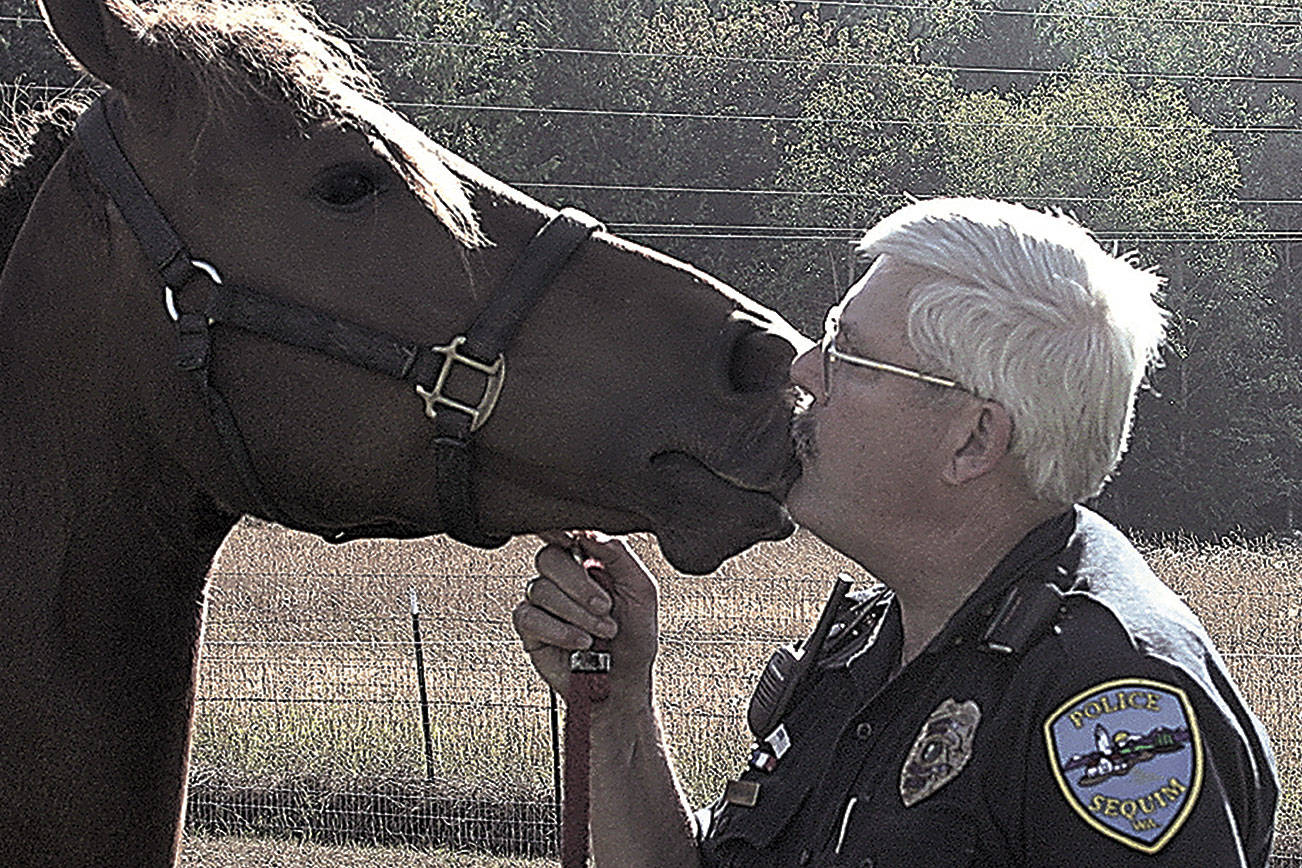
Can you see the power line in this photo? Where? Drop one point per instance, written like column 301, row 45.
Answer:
column 851, row 236
column 880, row 196
column 1241, row 78
column 1233, row 4
column 884, row 196
column 1021, row 13
column 1087, row 16
column 52, row 88
column 744, row 230
column 833, row 230
column 654, row 238
column 909, row 122
column 647, row 188
column 793, row 119
column 1024, row 13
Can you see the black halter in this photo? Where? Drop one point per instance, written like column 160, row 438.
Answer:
column 481, row 349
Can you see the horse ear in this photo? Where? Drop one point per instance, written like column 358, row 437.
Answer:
column 104, row 36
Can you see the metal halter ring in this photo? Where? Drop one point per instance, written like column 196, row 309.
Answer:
column 479, row 413
column 169, row 297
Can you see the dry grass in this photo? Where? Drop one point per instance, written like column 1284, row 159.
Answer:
column 203, row 851
column 309, row 669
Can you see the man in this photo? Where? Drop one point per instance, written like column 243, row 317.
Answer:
column 1020, row 690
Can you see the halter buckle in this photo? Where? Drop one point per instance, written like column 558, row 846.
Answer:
column 478, row 413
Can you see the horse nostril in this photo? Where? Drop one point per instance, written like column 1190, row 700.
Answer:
column 760, row 361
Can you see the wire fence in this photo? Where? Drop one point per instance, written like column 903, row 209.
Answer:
column 311, row 723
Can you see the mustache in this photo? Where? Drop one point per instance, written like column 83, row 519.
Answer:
column 802, row 424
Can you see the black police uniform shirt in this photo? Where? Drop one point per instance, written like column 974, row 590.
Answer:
column 1073, row 712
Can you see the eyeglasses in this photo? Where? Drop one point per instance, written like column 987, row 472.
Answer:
column 832, row 354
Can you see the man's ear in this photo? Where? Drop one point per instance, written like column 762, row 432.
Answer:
column 979, row 439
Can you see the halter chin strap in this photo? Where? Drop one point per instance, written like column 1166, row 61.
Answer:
column 482, row 349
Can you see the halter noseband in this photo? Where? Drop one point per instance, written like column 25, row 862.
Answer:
column 481, row 349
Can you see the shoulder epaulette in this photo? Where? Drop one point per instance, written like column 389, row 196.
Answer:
column 1026, row 613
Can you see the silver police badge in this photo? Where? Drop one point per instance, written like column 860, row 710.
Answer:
column 941, row 750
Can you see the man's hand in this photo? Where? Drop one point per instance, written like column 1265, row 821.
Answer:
column 564, row 609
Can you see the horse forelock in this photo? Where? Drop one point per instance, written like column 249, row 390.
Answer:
column 231, row 50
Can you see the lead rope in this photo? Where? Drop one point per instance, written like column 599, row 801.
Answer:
column 589, row 683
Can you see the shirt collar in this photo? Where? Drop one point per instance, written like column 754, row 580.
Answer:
column 1042, row 544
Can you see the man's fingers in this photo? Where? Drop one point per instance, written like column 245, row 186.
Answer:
column 537, row 628
column 622, row 565
column 562, row 538
column 546, row 595
column 610, row 550
column 630, row 576
column 559, row 565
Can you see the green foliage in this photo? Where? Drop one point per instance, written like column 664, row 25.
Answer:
column 1217, row 445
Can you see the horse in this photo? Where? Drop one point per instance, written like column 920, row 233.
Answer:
column 238, row 283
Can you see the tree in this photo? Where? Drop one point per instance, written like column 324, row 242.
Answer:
column 1237, row 68
column 1138, row 165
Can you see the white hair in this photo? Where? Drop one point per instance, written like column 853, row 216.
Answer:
column 1028, row 310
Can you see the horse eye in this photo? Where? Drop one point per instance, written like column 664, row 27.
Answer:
column 346, row 188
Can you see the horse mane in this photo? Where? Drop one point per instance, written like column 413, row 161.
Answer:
column 31, row 142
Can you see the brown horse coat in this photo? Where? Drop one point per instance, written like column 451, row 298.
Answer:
column 643, row 395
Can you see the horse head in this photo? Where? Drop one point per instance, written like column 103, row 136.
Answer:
column 639, row 393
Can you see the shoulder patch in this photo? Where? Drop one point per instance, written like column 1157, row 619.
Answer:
column 1128, row 758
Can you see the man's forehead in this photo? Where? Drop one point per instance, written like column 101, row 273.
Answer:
column 885, row 286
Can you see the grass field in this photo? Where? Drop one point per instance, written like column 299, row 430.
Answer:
column 308, row 675
column 204, row 851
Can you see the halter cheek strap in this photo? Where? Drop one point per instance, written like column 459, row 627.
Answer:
column 427, row 368
column 484, row 345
